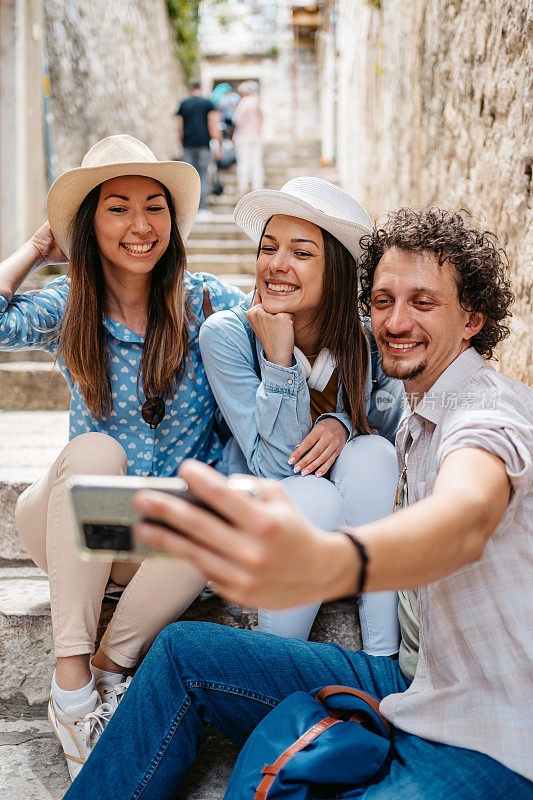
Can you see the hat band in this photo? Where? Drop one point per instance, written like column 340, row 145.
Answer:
column 319, row 204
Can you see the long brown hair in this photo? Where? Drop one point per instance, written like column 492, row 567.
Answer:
column 340, row 329
column 82, row 339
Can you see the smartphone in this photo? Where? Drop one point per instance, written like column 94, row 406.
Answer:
column 105, row 516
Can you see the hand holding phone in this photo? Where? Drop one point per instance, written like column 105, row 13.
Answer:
column 105, row 515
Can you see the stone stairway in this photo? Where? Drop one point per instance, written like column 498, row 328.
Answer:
column 34, row 399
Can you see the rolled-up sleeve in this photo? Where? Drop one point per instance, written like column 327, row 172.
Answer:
column 502, row 425
column 30, row 321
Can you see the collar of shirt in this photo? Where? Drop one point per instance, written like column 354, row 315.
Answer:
column 121, row 332
column 433, row 405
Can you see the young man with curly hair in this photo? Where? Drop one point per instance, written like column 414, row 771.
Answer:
column 460, row 698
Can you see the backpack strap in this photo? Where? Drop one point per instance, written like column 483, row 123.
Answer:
column 328, row 691
column 241, row 313
column 206, row 304
column 271, row 770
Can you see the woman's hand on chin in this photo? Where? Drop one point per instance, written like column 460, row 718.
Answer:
column 318, row 451
column 275, row 332
column 46, row 247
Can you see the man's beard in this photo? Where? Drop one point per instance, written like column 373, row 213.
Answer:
column 397, row 372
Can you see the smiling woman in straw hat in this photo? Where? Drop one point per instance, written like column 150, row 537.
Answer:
column 297, row 376
column 124, row 327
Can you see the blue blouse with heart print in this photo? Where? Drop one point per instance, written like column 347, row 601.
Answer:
column 187, row 429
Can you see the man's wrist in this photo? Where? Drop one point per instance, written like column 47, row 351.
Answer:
column 362, row 557
column 342, row 579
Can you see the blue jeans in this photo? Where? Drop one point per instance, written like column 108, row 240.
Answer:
column 197, row 673
column 200, row 158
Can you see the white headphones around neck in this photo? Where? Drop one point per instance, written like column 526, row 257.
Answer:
column 318, row 375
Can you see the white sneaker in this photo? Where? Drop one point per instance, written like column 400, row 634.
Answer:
column 112, row 692
column 78, row 728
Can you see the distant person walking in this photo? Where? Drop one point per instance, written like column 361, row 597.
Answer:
column 248, row 122
column 198, row 123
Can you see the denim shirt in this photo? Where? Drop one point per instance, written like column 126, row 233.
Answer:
column 267, row 407
column 27, row 322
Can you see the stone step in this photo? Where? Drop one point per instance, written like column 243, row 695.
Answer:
column 275, row 175
column 226, row 246
column 222, row 205
column 10, row 356
column 245, row 282
column 221, row 264
column 218, row 219
column 33, row 766
column 298, row 150
column 30, row 441
column 26, row 645
column 219, row 232
column 32, row 385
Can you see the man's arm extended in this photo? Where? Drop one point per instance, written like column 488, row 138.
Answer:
column 269, row 555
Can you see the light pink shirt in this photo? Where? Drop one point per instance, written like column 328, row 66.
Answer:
column 247, row 118
column 473, row 685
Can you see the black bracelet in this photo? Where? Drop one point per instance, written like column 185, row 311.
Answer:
column 361, row 551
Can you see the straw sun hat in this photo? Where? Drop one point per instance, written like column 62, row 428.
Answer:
column 312, row 199
column 111, row 158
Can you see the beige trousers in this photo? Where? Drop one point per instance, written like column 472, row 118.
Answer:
column 157, row 591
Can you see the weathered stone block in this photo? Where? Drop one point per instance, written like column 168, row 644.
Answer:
column 33, row 767
column 31, row 385
column 11, row 547
column 26, row 649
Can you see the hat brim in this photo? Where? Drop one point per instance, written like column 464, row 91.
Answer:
column 254, row 210
column 69, row 190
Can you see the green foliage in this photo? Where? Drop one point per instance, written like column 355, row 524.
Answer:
column 183, row 15
column 375, row 3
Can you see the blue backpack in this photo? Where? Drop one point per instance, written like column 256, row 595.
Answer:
column 324, row 744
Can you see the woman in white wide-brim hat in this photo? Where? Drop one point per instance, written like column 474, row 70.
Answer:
column 297, row 376
column 124, row 327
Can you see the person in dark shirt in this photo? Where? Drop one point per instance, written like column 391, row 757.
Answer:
column 197, row 123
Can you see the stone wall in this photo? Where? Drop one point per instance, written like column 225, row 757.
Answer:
column 436, row 107
column 113, row 69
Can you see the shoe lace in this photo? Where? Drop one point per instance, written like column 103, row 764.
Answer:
column 94, row 722
column 115, row 692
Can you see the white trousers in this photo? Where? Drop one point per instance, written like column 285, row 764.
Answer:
column 249, row 152
column 361, row 489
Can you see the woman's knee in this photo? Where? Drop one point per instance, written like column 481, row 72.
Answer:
column 369, row 447
column 367, row 455
column 317, row 498
column 366, row 475
column 93, row 454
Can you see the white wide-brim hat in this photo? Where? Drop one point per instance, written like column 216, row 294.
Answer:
column 110, row 158
column 312, row 199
